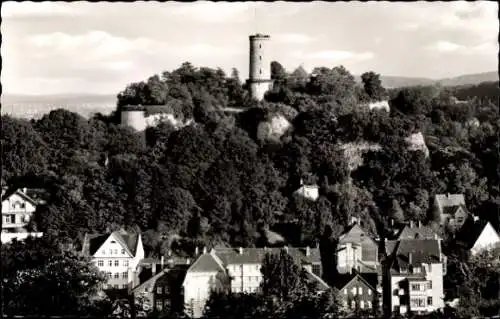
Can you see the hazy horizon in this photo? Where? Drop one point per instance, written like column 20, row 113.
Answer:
column 54, row 48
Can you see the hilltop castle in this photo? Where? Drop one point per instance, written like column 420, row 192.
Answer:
column 259, row 82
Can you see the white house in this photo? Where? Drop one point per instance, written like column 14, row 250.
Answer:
column 117, row 254
column 17, row 210
column 479, row 237
column 238, row 270
column 416, row 275
column 452, row 210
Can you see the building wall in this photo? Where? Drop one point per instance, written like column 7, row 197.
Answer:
column 134, row 119
column 197, row 289
column 431, row 286
column 348, row 257
column 245, row 278
column 17, row 208
column 357, row 292
column 488, row 238
column 114, row 259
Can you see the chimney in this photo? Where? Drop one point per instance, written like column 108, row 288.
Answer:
column 188, row 261
column 410, row 259
column 25, row 190
column 308, row 251
column 196, row 251
column 162, row 262
column 240, row 250
column 476, row 218
column 204, row 249
column 354, row 220
column 153, row 268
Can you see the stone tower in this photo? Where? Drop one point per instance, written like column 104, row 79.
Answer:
column 259, row 79
column 133, row 116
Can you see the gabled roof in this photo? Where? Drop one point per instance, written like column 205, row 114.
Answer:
column 422, row 232
column 256, row 255
column 470, row 233
column 21, row 194
column 207, row 263
column 447, row 200
column 92, row 242
column 452, row 210
column 344, row 280
column 178, row 274
column 355, row 234
column 320, row 283
column 417, row 251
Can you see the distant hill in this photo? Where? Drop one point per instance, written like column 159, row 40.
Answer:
column 35, row 106
column 467, row 79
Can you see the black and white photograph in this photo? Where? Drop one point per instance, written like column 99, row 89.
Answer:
column 250, row 160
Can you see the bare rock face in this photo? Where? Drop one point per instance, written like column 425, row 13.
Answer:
column 156, row 119
column 384, row 105
column 416, row 142
column 273, row 129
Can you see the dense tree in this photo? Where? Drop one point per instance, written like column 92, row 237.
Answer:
column 373, row 86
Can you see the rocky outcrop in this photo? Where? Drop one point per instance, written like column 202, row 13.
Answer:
column 416, row 142
column 273, row 129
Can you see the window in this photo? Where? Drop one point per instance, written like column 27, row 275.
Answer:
column 100, row 263
column 429, row 285
column 116, row 286
column 260, row 57
column 159, row 305
column 360, row 290
column 116, row 252
column 316, row 269
column 117, row 263
column 417, row 270
column 113, row 242
column 417, row 302
column 123, row 251
column 415, row 287
column 10, row 219
column 429, row 301
column 125, row 275
column 110, row 263
column 369, row 304
column 117, row 275
column 109, row 274
column 361, row 304
column 260, row 71
column 124, row 286
column 354, row 290
column 125, row 263
column 260, row 46
column 111, row 251
column 158, row 290
column 345, row 291
column 353, row 304
column 369, row 292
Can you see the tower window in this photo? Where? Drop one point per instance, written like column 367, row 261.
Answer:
column 260, row 57
column 260, row 71
column 260, row 46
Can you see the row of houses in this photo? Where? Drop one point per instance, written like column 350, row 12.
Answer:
column 412, row 254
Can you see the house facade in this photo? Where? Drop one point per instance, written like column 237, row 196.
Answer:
column 17, row 210
column 117, row 255
column 452, row 210
column 416, row 276
column 357, row 250
column 359, row 292
column 237, row 270
column 163, row 292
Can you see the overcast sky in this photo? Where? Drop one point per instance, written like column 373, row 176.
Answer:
column 51, row 48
